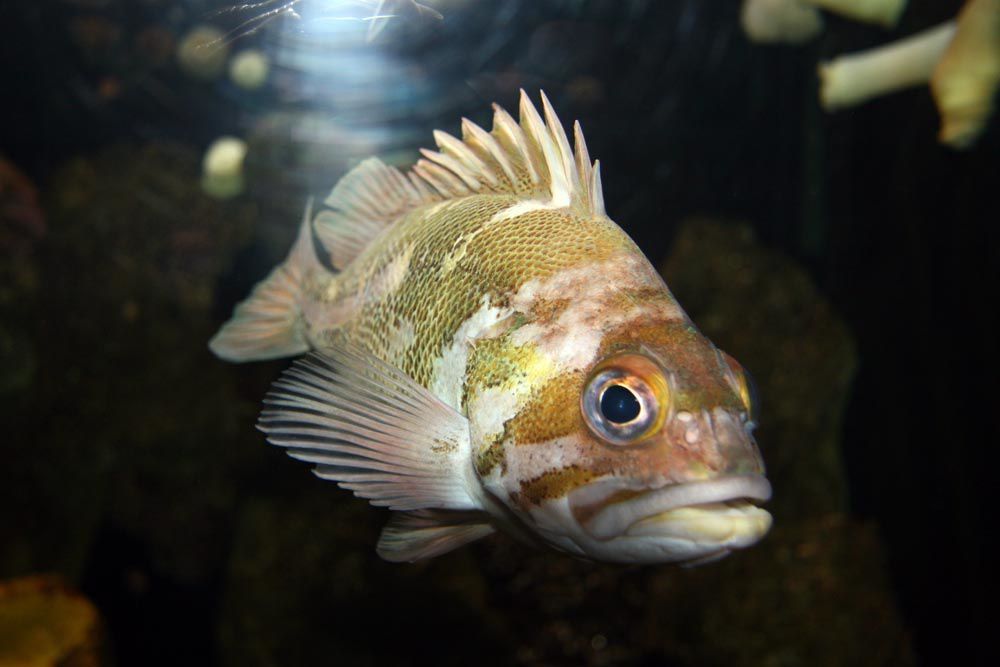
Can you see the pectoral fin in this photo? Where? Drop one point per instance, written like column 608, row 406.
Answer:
column 372, row 429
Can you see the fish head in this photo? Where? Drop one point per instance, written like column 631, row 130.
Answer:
column 644, row 455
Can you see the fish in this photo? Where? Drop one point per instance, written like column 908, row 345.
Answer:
column 484, row 349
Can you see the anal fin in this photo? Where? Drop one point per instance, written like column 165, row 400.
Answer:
column 413, row 536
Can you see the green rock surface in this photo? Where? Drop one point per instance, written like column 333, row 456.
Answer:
column 305, row 587
column 128, row 422
column 764, row 310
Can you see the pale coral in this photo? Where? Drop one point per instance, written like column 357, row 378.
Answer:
column 882, row 12
column 965, row 81
column 853, row 79
column 782, row 21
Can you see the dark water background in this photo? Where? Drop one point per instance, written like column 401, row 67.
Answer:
column 129, row 463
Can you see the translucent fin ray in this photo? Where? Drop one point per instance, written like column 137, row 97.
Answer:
column 413, row 536
column 268, row 323
column 365, row 201
column 531, row 158
column 367, row 426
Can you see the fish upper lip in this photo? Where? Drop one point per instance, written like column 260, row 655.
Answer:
column 614, row 519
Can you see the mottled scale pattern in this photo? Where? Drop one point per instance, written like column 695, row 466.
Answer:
column 546, row 416
column 553, row 484
column 497, row 363
column 457, row 258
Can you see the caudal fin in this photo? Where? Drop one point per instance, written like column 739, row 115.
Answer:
column 268, row 324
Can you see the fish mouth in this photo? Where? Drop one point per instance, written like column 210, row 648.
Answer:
column 721, row 511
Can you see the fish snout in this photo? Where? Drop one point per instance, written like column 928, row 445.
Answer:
column 688, row 522
column 714, row 442
column 696, row 497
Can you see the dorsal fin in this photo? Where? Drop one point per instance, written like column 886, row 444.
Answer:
column 365, row 201
column 532, row 158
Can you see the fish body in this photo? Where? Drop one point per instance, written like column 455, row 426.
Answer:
column 491, row 351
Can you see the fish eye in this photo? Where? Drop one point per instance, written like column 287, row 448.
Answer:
column 624, row 400
column 745, row 386
column 619, row 404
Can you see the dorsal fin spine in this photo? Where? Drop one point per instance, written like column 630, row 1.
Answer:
column 562, row 142
column 533, row 125
column 461, row 152
column 506, row 128
column 540, row 143
column 477, row 136
column 596, row 192
column 440, row 178
column 454, row 166
column 583, row 164
column 420, row 185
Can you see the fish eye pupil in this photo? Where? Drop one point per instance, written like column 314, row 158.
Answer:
column 619, row 404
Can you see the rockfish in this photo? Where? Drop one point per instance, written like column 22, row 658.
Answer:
column 490, row 351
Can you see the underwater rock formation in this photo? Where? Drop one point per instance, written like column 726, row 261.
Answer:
column 815, row 592
column 764, row 310
column 44, row 623
column 126, row 424
column 22, row 222
column 22, row 226
column 305, row 587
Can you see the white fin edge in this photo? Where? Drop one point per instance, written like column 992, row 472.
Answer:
column 373, row 430
column 413, row 536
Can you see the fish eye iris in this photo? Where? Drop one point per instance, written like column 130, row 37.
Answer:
column 625, row 399
column 619, row 404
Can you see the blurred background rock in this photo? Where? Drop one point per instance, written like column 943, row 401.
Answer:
column 45, row 622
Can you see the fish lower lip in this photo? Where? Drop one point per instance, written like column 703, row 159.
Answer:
column 700, row 499
column 735, row 524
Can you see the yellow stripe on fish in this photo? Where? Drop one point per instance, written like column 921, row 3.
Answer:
column 491, row 351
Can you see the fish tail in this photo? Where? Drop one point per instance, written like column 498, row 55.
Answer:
column 269, row 323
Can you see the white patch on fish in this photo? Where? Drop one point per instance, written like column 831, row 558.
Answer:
column 449, row 369
column 461, row 248
column 389, row 278
column 494, row 407
column 573, row 340
column 523, row 207
column 527, row 462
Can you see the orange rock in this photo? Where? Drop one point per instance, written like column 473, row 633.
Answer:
column 44, row 622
